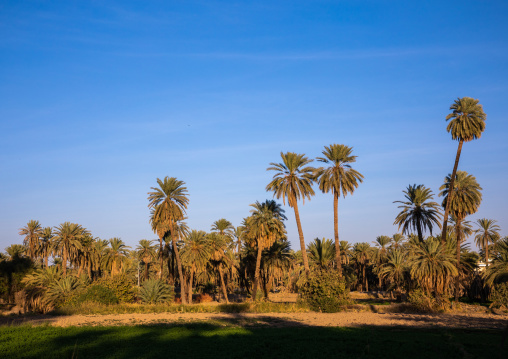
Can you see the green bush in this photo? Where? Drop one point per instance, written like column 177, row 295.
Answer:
column 499, row 296
column 122, row 287
column 98, row 294
column 156, row 291
column 427, row 303
column 325, row 292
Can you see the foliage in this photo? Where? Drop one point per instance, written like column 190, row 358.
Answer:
column 98, row 294
column 121, row 285
column 422, row 301
column 499, row 296
column 155, row 291
column 325, row 291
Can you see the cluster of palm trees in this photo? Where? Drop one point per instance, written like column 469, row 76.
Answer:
column 257, row 255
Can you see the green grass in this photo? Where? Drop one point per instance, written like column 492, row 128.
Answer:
column 222, row 340
column 257, row 307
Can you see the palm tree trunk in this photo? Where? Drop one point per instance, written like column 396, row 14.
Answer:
column 450, row 192
column 487, row 254
column 191, row 279
column 179, row 264
column 46, row 260
column 300, row 234
column 160, row 254
column 257, row 270
column 364, row 280
column 146, row 271
column 338, row 263
column 64, row 261
column 457, row 280
column 419, row 229
column 224, row 291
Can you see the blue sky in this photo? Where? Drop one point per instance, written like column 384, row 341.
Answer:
column 98, row 99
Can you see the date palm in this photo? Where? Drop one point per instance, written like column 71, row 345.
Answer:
column 67, row 240
column 498, row 271
column 362, row 254
column 394, row 268
column 263, row 227
column 487, row 232
column 418, row 212
column 32, row 232
column 218, row 244
column 466, row 198
column 45, row 244
column 340, row 179
column 321, row 253
column 224, row 228
column 196, row 252
column 397, row 240
column 467, row 124
column 146, row 253
column 115, row 256
column 293, row 181
column 168, row 202
column 381, row 243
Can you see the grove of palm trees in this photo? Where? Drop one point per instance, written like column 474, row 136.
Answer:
column 65, row 267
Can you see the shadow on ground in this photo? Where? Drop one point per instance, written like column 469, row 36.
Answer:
column 234, row 337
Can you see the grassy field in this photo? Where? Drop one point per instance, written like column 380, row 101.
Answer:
column 218, row 340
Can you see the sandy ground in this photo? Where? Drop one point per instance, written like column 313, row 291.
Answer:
column 343, row 319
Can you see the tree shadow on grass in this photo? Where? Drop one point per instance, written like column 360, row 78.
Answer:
column 235, row 337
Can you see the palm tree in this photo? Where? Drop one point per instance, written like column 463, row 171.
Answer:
column 293, row 181
column 169, row 202
column 218, row 246
column 115, row 256
column 362, row 253
column 275, row 262
column 397, row 240
column 498, row 271
column 195, row 254
column 146, row 253
column 32, row 232
column 466, row 200
column 487, row 232
column 467, row 124
column 45, row 243
column 264, row 227
column 381, row 242
column 339, row 178
column 394, row 268
column 432, row 265
column 417, row 212
column 224, row 228
column 321, row 253
column 67, row 239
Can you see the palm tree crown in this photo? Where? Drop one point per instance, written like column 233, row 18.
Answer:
column 467, row 119
column 487, row 232
column 32, row 232
column 418, row 213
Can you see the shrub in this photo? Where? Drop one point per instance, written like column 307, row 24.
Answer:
column 98, row 294
column 499, row 296
column 203, row 298
column 155, row 291
column 325, row 292
column 424, row 302
column 121, row 285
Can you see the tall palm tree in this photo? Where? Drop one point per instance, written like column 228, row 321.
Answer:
column 45, row 243
column 195, row 254
column 115, row 256
column 218, row 244
column 169, row 202
column 417, row 211
column 321, row 253
column 381, row 242
column 67, row 239
column 339, row 178
column 394, row 268
column 362, row 253
column 467, row 124
column 487, row 232
column 466, row 198
column 32, row 232
column 264, row 227
column 293, row 181
column 275, row 262
column 146, row 253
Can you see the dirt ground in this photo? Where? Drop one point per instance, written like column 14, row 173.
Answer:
column 343, row 319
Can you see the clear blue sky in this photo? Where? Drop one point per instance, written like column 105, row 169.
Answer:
column 98, row 99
